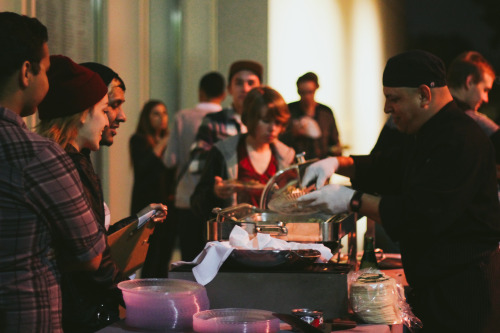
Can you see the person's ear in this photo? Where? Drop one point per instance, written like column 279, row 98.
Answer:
column 25, row 74
column 424, row 95
column 469, row 82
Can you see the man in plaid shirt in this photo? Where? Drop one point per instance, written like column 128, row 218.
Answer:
column 43, row 214
column 244, row 75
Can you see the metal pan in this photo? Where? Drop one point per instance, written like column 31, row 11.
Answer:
column 271, row 258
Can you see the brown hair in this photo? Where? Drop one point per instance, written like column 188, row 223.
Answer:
column 465, row 64
column 264, row 97
column 309, row 76
column 144, row 126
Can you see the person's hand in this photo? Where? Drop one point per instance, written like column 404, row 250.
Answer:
column 156, row 212
column 332, row 199
column 221, row 190
column 320, row 171
column 160, row 147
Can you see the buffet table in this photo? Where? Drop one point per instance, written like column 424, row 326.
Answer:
column 318, row 286
column 322, row 287
column 121, row 327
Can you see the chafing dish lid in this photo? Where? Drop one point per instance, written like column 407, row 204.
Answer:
column 290, row 176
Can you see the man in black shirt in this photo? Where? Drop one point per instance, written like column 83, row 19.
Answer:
column 312, row 128
column 470, row 79
column 442, row 206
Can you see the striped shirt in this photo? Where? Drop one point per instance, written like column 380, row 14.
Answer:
column 43, row 214
column 214, row 127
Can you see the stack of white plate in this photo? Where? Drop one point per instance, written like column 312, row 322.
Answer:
column 375, row 298
column 231, row 320
column 163, row 304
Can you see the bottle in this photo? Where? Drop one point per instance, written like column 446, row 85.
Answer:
column 368, row 260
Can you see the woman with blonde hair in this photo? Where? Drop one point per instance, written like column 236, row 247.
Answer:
column 73, row 114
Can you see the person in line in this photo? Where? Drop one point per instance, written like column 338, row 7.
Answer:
column 445, row 214
column 74, row 114
column 43, row 214
column 116, row 99
column 312, row 129
column 147, row 145
column 243, row 76
column 252, row 157
column 116, row 115
column 211, row 93
column 153, row 181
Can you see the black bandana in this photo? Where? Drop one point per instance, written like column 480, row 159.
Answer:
column 414, row 68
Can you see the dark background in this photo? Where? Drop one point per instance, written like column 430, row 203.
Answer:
column 449, row 27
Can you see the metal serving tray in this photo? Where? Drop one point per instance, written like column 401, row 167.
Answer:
column 306, row 228
column 312, row 228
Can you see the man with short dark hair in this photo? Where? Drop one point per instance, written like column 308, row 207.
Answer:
column 470, row 78
column 211, row 93
column 116, row 98
column 243, row 76
column 43, row 214
column 442, row 206
column 312, row 128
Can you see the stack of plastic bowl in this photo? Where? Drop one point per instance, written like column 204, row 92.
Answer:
column 163, row 304
column 231, row 320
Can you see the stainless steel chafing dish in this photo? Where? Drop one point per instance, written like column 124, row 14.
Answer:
column 311, row 227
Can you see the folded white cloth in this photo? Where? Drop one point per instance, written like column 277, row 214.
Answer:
column 214, row 254
column 208, row 261
column 239, row 239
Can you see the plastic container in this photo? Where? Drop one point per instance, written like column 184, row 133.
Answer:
column 232, row 320
column 163, row 304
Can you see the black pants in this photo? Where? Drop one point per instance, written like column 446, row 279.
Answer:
column 466, row 301
column 192, row 233
column 161, row 247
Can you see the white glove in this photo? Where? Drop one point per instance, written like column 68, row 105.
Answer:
column 321, row 171
column 332, row 199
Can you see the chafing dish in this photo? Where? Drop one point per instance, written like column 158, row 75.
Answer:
column 310, row 227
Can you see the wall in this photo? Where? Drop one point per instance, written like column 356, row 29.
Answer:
column 162, row 47
column 242, row 34
column 125, row 49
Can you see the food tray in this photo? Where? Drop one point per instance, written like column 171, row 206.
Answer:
column 306, row 228
column 285, row 201
column 279, row 259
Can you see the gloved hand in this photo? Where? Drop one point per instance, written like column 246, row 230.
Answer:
column 321, row 171
column 332, row 199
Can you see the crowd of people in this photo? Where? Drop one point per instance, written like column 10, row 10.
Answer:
column 430, row 182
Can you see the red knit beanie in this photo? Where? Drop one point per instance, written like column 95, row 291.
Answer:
column 72, row 89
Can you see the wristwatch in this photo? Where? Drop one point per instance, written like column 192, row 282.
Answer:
column 355, row 203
